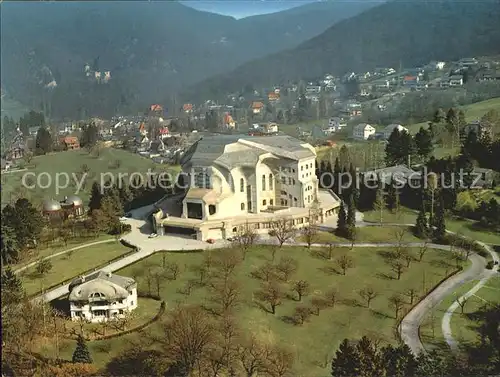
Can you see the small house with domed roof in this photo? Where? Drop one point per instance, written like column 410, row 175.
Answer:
column 69, row 208
column 101, row 296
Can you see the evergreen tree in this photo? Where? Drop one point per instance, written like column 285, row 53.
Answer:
column 370, row 360
column 379, row 204
column 423, row 143
column 351, row 212
column 398, row 361
column 465, row 166
column 81, row 353
column 439, row 116
column 439, row 220
column 89, row 136
column 452, row 124
column 43, row 141
column 9, row 245
column 354, row 191
column 12, row 288
column 392, row 195
column 421, row 226
column 346, row 361
column 341, row 230
column 393, row 149
column 126, row 195
column 25, row 220
column 337, row 170
column 96, row 196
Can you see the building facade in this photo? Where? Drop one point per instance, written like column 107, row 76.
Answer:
column 69, row 208
column 363, row 131
column 235, row 179
column 101, row 296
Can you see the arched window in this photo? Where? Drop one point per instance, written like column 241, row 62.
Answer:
column 263, row 183
column 211, row 209
column 271, row 182
column 242, row 185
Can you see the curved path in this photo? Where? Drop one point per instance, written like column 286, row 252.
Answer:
column 486, row 275
column 25, row 267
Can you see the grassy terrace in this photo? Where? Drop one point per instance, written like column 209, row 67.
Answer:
column 464, row 326
column 367, row 234
column 315, row 341
column 461, row 226
column 71, row 162
column 72, row 264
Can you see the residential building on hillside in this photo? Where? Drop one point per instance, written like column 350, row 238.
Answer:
column 69, row 208
column 456, row 80
column 363, row 131
column 390, row 129
column 101, row 296
column 70, row 142
column 257, row 107
column 480, row 128
column 236, row 180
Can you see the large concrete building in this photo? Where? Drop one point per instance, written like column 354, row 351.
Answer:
column 232, row 180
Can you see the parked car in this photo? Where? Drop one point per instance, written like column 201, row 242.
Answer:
column 211, row 240
column 153, row 235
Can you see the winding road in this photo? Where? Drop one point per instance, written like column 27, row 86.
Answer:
column 409, row 327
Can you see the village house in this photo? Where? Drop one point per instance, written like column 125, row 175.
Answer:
column 101, row 296
column 228, row 122
column 69, row 208
column 387, row 132
column 363, row 131
column 456, row 80
column 257, row 107
column 187, row 108
column 273, row 97
column 479, row 128
column 237, row 180
column 70, row 142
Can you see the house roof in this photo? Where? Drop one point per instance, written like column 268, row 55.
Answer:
column 212, row 150
column 391, row 128
column 156, row 107
column 257, row 105
column 210, row 196
column 361, row 126
column 187, row 107
column 112, row 286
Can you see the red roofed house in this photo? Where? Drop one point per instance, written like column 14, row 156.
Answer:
column 164, row 132
column 70, row 142
column 156, row 108
column 273, row 96
column 229, row 121
column 257, row 107
column 187, row 107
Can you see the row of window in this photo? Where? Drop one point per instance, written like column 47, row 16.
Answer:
column 291, row 181
column 242, row 183
column 264, row 203
column 307, row 166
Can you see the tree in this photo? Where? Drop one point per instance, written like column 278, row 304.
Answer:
column 407, row 256
column 368, row 294
column 318, row 303
column 423, row 143
column 461, row 301
column 244, row 238
column 396, row 302
column 280, row 362
column 411, row 293
column 351, row 212
column 225, row 263
column 9, row 245
column 310, row 234
column 43, row 141
column 301, row 314
column 398, row 361
column 253, row 356
column 398, row 267
column 266, row 272
column 72, row 370
column 272, row 294
column 422, row 251
column 96, row 196
column 331, row 297
column 346, row 361
column 341, row 230
column 226, row 295
column 345, row 262
column 172, row 270
column 43, row 266
column 81, row 353
column 301, row 287
column 439, row 221
column 380, row 204
column 421, row 227
column 26, row 221
column 89, row 136
column 12, row 288
column 287, row 267
column 283, row 229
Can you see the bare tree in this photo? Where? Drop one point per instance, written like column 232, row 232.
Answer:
column 396, row 302
column 287, row 267
column 331, row 247
column 458, row 258
column 172, row 270
column 345, row 262
column 310, row 234
column 399, row 234
column 368, row 294
column 411, row 293
column 407, row 256
column 226, row 295
column 245, row 238
column 461, row 301
column 422, row 251
column 398, row 267
column 318, row 303
column 253, row 356
column 280, row 362
column 186, row 336
column 266, row 272
column 225, row 264
column 274, row 249
column 201, row 271
column 272, row 294
column 331, row 297
column 301, row 314
column 301, row 287
column 283, row 229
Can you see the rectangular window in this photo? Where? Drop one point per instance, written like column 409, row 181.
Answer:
column 289, row 181
column 270, row 182
column 283, row 180
column 302, row 168
column 271, row 202
column 264, row 202
column 263, row 183
column 242, row 206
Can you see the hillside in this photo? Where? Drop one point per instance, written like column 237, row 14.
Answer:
column 411, row 33
column 150, row 48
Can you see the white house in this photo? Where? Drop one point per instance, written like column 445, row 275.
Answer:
column 390, row 129
column 101, row 296
column 234, row 180
column 335, row 124
column 363, row 131
column 456, row 80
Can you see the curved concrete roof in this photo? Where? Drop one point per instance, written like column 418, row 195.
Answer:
column 51, row 205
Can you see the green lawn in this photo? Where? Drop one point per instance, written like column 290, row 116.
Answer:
column 367, row 234
column 472, row 112
column 70, row 265
column 71, row 162
column 316, row 341
column 460, row 226
column 463, row 327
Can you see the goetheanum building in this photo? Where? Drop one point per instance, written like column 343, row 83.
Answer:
column 101, row 296
column 232, row 180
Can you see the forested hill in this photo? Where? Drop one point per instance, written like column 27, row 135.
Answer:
column 150, row 48
column 410, row 32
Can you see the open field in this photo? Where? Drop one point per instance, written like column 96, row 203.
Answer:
column 69, row 265
column 72, row 162
column 464, row 327
column 460, row 226
column 368, row 234
column 472, row 112
column 315, row 341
